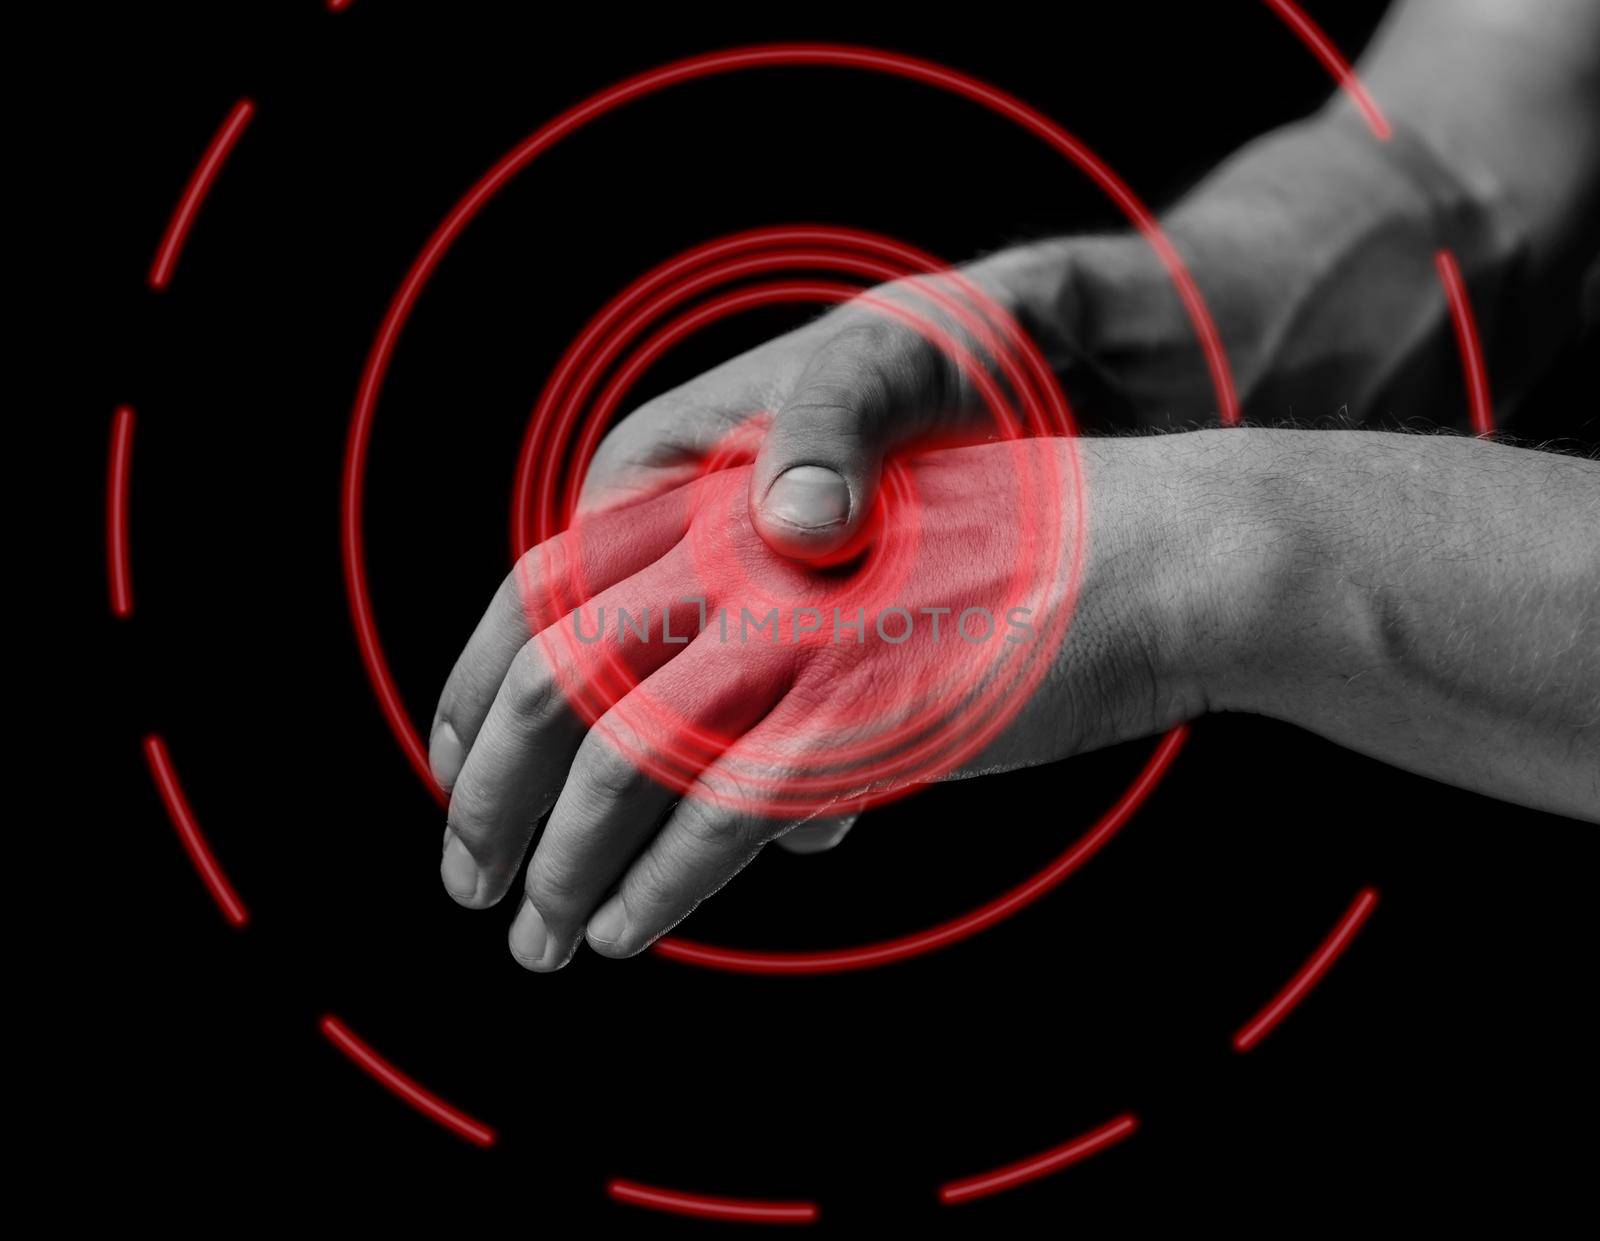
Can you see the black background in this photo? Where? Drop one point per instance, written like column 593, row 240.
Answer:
column 1445, row 1067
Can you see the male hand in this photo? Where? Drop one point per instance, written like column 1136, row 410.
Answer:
column 841, row 392
column 665, row 759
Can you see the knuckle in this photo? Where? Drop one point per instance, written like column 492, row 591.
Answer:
column 535, row 581
column 845, row 380
column 470, row 814
column 866, row 321
column 551, row 885
column 650, row 890
column 604, row 769
column 530, row 686
column 857, row 375
column 714, row 828
column 880, row 333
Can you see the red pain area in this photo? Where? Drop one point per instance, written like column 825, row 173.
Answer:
column 783, row 689
column 540, row 444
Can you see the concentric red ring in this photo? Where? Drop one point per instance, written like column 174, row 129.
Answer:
column 552, row 589
column 872, row 60
column 1482, row 421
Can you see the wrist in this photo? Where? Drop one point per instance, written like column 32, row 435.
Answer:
column 1278, row 605
column 1150, row 610
column 1241, row 599
column 1203, row 587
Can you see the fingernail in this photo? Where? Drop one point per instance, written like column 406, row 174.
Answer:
column 607, row 926
column 815, row 837
column 809, row 497
column 528, row 937
column 445, row 755
column 459, row 871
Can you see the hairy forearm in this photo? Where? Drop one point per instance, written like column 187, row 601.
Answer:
column 1429, row 600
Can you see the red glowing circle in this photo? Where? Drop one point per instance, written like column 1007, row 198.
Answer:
column 705, row 1205
column 594, row 678
column 571, row 121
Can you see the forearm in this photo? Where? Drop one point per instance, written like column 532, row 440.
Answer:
column 1314, row 246
column 1431, row 601
column 1314, row 250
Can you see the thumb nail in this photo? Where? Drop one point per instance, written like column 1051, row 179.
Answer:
column 809, row 497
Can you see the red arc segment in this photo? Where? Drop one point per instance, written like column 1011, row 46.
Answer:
column 747, row 1210
column 118, row 572
column 403, row 1087
column 178, row 810
column 1042, row 1164
column 1309, row 974
column 1313, row 36
column 194, row 194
